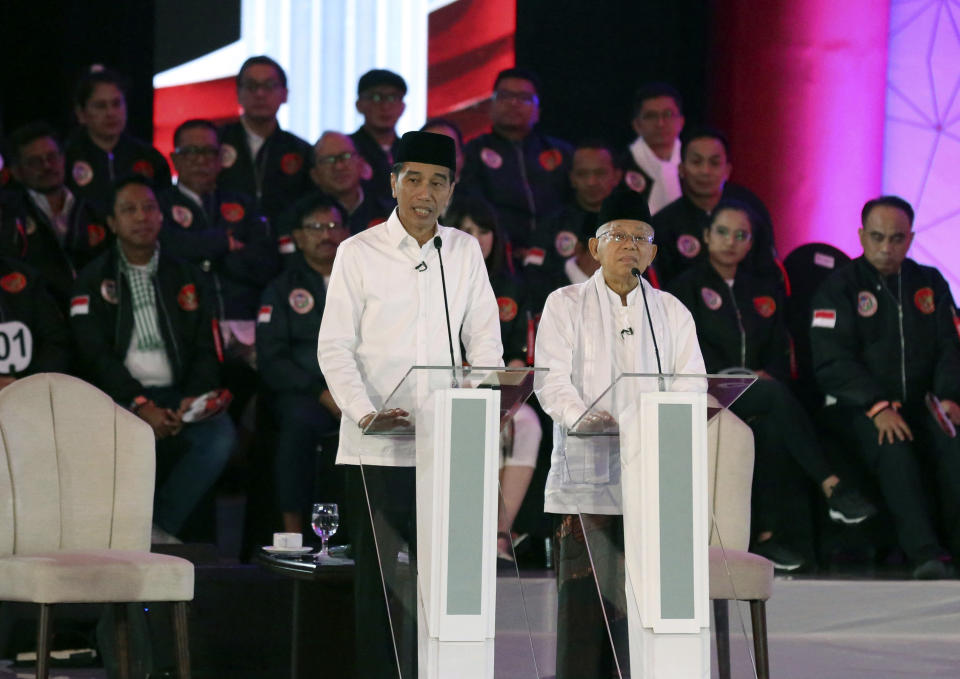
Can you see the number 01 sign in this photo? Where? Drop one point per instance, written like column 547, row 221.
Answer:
column 16, row 347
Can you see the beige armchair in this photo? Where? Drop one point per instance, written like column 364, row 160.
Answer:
column 76, row 505
column 735, row 573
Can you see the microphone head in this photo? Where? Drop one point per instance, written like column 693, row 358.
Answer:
column 437, row 242
column 635, row 272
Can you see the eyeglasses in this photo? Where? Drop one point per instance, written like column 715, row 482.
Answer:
column 192, row 152
column 654, row 116
column 334, row 159
column 519, row 97
column 37, row 162
column 377, row 98
column 739, row 235
column 619, row 237
column 265, row 85
column 321, row 227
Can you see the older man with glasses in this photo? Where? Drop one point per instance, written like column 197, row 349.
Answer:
column 590, row 332
column 258, row 158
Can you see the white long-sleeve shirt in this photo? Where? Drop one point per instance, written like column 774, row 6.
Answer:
column 383, row 316
column 581, row 340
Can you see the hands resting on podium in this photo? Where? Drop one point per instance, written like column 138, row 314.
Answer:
column 394, row 418
column 595, row 421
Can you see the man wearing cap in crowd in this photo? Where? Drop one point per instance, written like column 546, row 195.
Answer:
column 257, row 157
column 559, row 254
column 385, row 312
column 518, row 169
column 380, row 101
column 590, row 332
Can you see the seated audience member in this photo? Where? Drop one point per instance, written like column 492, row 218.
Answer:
column 287, row 328
column 43, row 222
column 559, row 255
column 143, row 331
column 336, row 174
column 5, row 176
column 654, row 156
column 101, row 150
column 217, row 230
column 886, row 353
column 475, row 216
column 582, row 339
column 452, row 130
column 740, row 326
column 518, row 169
column 380, row 96
column 33, row 331
column 259, row 159
column 704, row 170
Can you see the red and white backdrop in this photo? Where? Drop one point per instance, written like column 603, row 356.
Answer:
column 827, row 103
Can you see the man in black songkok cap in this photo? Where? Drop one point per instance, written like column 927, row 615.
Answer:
column 385, row 312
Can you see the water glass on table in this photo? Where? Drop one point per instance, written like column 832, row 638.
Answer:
column 325, row 519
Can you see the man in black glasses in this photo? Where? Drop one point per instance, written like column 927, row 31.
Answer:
column 522, row 172
column 219, row 231
column 336, row 173
column 380, row 101
column 258, row 158
column 288, row 322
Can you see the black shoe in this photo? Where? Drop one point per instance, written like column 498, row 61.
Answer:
column 934, row 569
column 783, row 558
column 847, row 505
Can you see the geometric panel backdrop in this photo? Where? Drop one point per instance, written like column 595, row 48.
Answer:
column 922, row 131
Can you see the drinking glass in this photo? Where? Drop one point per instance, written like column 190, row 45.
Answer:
column 325, row 519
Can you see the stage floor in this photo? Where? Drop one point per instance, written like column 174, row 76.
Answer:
column 828, row 629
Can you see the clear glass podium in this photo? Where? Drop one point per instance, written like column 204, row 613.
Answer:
column 632, row 574
column 455, row 609
column 638, row 477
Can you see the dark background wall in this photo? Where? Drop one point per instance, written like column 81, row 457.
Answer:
column 591, row 57
column 47, row 44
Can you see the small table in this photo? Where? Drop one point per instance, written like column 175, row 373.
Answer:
column 335, row 581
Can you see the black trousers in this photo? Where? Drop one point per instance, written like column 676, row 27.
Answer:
column 592, row 640
column 784, row 437
column 382, row 508
column 918, row 479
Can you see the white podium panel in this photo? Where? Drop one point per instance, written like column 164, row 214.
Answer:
column 457, row 460
column 663, row 443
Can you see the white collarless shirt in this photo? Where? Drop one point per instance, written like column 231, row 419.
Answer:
column 382, row 315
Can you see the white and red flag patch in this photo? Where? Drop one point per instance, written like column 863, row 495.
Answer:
column 80, row 305
column 824, row 318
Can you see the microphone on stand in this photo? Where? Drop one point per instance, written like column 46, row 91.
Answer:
column 656, row 349
column 437, row 242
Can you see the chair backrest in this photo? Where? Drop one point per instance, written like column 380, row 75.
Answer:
column 730, row 480
column 76, row 470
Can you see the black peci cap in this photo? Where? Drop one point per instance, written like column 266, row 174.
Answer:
column 624, row 204
column 428, row 147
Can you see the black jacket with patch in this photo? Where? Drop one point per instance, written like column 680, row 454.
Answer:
column 102, row 324
column 24, row 298
column 865, row 352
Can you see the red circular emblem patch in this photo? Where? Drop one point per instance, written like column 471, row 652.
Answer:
column 508, row 309
column 108, row 290
column 187, row 297
column 13, row 282
column 82, row 173
column 232, row 212
column 688, row 246
column 491, row 158
column 291, row 163
column 182, row 215
column 711, row 298
column 923, row 299
column 550, row 159
column 635, row 181
column 765, row 306
column 866, row 304
column 95, row 234
column 566, row 243
column 143, row 167
column 300, row 300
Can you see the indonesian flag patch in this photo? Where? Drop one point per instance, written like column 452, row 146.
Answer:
column 80, row 305
column 265, row 313
column 534, row 257
column 824, row 318
column 285, row 245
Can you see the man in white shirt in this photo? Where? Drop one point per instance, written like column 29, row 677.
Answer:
column 654, row 156
column 385, row 312
column 589, row 333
